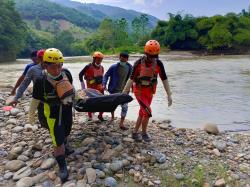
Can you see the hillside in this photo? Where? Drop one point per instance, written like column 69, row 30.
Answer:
column 100, row 11
column 46, row 10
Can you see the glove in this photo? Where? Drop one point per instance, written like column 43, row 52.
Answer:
column 32, row 110
column 167, row 89
column 83, row 85
column 127, row 86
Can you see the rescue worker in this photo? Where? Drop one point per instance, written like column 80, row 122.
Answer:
column 33, row 73
column 93, row 74
column 53, row 94
column 33, row 57
column 118, row 74
column 144, row 82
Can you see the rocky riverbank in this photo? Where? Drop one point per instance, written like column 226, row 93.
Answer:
column 107, row 156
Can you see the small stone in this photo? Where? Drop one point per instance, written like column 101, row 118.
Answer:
column 48, row 163
column 37, row 154
column 14, row 111
column 11, row 121
column 125, row 162
column 131, row 172
column 179, row 176
column 145, row 181
column 69, row 184
column 206, row 184
column 25, row 182
column 220, row 183
column 52, row 175
column 129, row 140
column 216, row 152
column 91, row 175
column 88, row 141
column 221, row 145
column 151, row 184
column 8, row 175
column 211, row 128
column 14, row 165
column 137, row 177
column 24, row 172
column 110, row 182
column 48, row 183
column 157, row 182
column 17, row 129
column 81, row 183
column 100, row 174
column 116, row 166
column 37, row 147
column 164, row 126
column 119, row 176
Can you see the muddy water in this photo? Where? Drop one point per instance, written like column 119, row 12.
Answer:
column 211, row 89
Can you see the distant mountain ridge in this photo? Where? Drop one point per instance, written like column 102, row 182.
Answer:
column 100, row 11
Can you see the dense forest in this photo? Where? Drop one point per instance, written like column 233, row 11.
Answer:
column 44, row 24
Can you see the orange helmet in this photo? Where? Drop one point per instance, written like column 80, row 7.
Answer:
column 152, row 47
column 98, row 54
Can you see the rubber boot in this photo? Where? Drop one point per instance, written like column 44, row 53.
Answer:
column 68, row 149
column 63, row 171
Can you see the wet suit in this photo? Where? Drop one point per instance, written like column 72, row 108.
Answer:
column 49, row 115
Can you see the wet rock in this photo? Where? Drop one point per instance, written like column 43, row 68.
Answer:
column 221, row 145
column 48, row 163
column 211, row 128
column 110, row 182
column 14, row 165
column 91, row 175
column 25, row 182
column 23, row 172
column 220, row 183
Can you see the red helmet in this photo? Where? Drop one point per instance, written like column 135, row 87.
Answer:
column 152, row 47
column 98, row 54
column 40, row 53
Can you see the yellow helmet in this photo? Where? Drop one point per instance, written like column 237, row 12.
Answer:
column 53, row 55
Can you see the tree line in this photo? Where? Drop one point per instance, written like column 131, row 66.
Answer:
column 180, row 32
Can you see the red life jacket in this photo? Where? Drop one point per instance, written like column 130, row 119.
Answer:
column 97, row 75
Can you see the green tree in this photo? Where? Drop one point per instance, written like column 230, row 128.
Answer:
column 55, row 26
column 37, row 23
column 64, row 41
column 13, row 31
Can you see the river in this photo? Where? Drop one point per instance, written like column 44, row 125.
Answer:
column 205, row 89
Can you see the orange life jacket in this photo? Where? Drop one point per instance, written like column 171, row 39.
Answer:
column 97, row 75
column 63, row 87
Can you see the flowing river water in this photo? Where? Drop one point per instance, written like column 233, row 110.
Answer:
column 205, row 89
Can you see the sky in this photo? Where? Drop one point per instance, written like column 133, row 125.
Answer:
column 160, row 8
